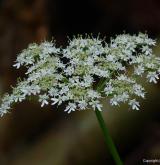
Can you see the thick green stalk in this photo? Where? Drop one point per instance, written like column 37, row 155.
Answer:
column 108, row 139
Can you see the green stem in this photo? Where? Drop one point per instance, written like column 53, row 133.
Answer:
column 108, row 139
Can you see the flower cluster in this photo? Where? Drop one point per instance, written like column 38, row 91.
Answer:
column 86, row 71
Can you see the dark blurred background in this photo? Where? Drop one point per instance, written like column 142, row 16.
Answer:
column 48, row 136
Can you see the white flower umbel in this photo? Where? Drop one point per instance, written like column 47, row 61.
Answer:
column 87, row 70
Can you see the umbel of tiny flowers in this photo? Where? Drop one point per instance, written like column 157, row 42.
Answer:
column 70, row 75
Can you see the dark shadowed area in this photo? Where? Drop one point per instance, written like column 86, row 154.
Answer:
column 30, row 135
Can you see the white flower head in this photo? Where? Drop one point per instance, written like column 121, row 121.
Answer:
column 82, row 104
column 87, row 70
column 138, row 90
column 55, row 101
column 96, row 105
column 139, row 70
column 43, row 99
column 114, row 100
column 108, row 89
column 71, row 107
column 153, row 77
column 134, row 104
